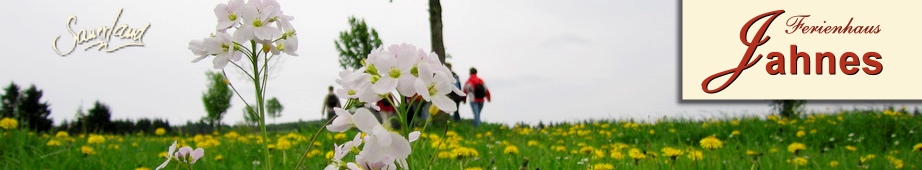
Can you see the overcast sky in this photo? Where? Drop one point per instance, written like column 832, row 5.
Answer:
column 543, row 60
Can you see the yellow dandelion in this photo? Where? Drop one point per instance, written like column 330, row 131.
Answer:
column 753, row 153
column 672, row 130
column 464, row 152
column 162, row 155
column 652, row 131
column 671, row 152
column 532, row 143
column 53, row 143
column 801, row 133
column 616, row 155
column 231, row 135
column 473, row 168
column 599, row 154
column 87, row 150
column 587, row 149
column 636, row 154
column 160, row 131
column 283, row 144
column 799, row 161
column 796, row 147
column 511, row 149
column 695, row 155
column 339, row 136
column 559, row 148
column 603, row 166
column 445, row 155
column 312, row 153
column 96, row 139
column 867, row 157
column 711, row 142
column 329, row 155
column 8, row 123
column 219, row 158
column 62, row 134
column 897, row 163
column 851, row 148
column 833, row 164
column 917, row 147
column 142, row 168
column 735, row 133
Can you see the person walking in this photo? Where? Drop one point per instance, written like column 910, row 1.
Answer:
column 329, row 103
column 477, row 89
column 455, row 97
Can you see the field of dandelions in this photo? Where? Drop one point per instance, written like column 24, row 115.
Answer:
column 847, row 140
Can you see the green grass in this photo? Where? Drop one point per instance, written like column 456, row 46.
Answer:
column 888, row 135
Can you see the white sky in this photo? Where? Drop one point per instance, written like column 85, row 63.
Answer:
column 543, row 59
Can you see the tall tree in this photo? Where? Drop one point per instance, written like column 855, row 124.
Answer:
column 10, row 101
column 435, row 28
column 274, row 108
column 250, row 116
column 355, row 44
column 788, row 108
column 217, row 99
column 33, row 112
column 80, row 122
column 98, row 118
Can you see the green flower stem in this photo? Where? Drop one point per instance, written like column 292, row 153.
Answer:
column 260, row 102
column 311, row 144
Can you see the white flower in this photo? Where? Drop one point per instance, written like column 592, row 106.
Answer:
column 377, row 156
column 366, row 122
column 356, row 85
column 224, row 49
column 257, row 16
column 340, row 151
column 169, row 156
column 342, row 122
column 198, row 48
column 435, row 87
column 395, row 67
column 186, row 154
column 228, row 14
column 288, row 45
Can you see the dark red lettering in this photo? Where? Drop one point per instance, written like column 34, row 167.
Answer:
column 744, row 64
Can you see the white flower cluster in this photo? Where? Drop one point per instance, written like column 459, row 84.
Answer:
column 184, row 155
column 257, row 22
column 404, row 68
column 382, row 149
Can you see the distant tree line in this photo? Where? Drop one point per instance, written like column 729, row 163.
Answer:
column 99, row 120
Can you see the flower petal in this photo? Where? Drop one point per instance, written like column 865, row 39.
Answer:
column 384, row 85
column 414, row 136
column 365, row 121
column 444, row 103
column 198, row 153
column 384, row 136
column 342, row 122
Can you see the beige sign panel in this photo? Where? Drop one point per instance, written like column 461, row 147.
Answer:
column 813, row 50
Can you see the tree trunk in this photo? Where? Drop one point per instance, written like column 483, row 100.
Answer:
column 435, row 26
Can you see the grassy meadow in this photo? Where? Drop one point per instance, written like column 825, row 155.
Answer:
column 847, row 140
